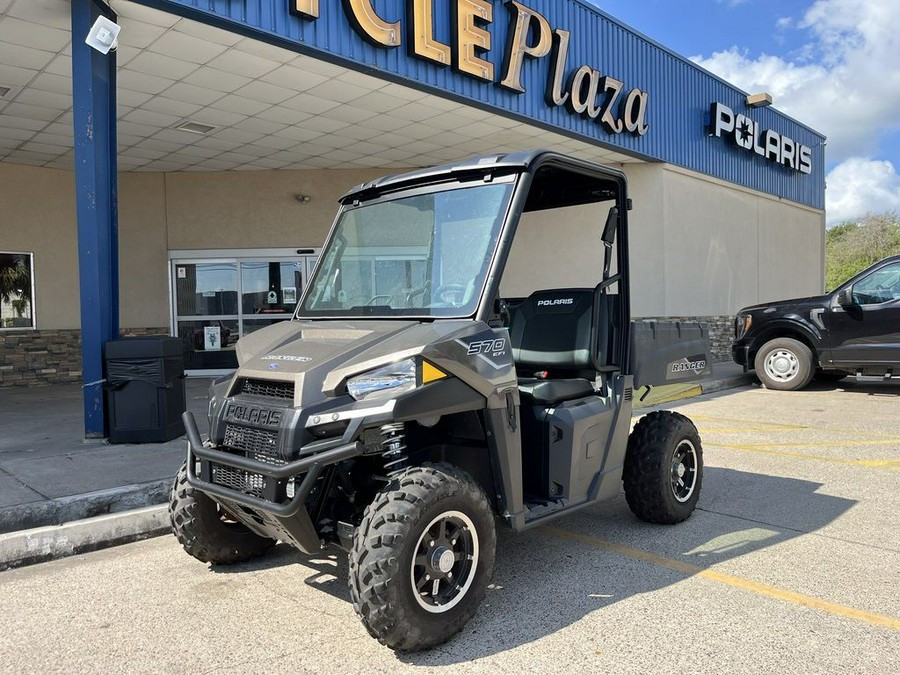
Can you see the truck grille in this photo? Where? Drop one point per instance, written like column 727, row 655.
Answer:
column 282, row 390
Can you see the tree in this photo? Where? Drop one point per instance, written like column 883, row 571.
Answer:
column 854, row 245
column 15, row 282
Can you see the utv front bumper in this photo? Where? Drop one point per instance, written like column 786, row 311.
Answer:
column 275, row 513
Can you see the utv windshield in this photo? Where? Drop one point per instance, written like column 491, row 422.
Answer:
column 418, row 253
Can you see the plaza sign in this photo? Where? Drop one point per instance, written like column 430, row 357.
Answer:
column 584, row 91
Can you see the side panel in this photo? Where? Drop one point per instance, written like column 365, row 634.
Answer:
column 865, row 335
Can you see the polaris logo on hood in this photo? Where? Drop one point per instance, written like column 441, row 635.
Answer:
column 558, row 301
column 286, row 357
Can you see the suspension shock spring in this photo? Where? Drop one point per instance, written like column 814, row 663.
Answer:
column 393, row 449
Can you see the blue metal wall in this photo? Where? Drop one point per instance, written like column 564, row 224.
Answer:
column 680, row 92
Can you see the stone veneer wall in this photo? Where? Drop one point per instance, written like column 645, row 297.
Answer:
column 721, row 333
column 31, row 358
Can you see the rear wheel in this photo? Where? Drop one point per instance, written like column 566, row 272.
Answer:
column 663, row 468
column 208, row 533
column 422, row 557
column 785, row 364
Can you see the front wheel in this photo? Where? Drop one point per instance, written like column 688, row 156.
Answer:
column 208, row 533
column 785, row 364
column 422, row 557
column 663, row 468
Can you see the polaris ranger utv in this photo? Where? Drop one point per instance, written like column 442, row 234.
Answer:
column 433, row 381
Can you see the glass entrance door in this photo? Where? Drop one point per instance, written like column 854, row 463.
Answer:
column 216, row 300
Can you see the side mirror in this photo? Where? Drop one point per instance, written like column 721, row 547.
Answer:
column 612, row 224
column 845, row 297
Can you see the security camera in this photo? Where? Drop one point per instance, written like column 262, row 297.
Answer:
column 104, row 35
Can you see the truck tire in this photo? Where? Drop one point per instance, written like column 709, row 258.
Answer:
column 663, row 469
column 205, row 532
column 784, row 364
column 422, row 557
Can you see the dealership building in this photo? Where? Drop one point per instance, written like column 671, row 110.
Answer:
column 183, row 182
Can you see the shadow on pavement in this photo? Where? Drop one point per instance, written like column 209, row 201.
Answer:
column 554, row 576
column 853, row 386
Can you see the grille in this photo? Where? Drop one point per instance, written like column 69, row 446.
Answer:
column 251, row 440
column 238, row 480
column 283, row 390
column 628, row 394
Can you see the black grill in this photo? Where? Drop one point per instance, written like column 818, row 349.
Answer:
column 284, row 390
column 251, row 440
column 238, row 480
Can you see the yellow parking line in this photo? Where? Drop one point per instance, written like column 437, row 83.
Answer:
column 887, row 464
column 730, row 580
column 776, row 426
column 769, row 425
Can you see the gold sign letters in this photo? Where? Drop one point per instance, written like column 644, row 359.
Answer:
column 308, row 9
column 422, row 40
column 585, row 91
column 370, row 26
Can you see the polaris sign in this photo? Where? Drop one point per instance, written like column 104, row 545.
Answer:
column 750, row 136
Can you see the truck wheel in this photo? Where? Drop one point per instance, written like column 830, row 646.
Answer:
column 785, row 364
column 206, row 532
column 422, row 557
column 663, row 468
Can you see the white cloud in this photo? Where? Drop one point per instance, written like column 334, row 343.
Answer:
column 858, row 186
column 845, row 82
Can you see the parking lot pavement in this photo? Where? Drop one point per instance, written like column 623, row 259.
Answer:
column 790, row 565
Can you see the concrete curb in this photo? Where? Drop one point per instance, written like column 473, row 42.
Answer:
column 59, row 541
column 730, row 382
column 79, row 507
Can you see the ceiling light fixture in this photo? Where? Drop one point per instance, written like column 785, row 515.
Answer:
column 195, row 128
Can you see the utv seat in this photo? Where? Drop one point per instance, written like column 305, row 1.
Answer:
column 551, row 332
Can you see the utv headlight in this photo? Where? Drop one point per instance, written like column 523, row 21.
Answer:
column 384, row 382
column 394, row 379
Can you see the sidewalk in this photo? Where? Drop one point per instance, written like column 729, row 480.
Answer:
column 50, row 475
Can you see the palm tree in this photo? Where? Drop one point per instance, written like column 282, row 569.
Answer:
column 15, row 281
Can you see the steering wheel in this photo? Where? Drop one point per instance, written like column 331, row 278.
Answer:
column 447, row 293
column 374, row 300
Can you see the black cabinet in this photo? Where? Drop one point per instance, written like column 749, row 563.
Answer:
column 145, row 389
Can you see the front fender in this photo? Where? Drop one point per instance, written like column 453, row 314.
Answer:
column 789, row 326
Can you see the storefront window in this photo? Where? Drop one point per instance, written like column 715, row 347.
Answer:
column 16, row 290
column 219, row 299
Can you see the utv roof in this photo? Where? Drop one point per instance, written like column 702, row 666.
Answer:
column 480, row 164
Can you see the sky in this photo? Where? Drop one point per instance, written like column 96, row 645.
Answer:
column 833, row 65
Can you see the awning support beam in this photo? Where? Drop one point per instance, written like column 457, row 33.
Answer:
column 96, row 197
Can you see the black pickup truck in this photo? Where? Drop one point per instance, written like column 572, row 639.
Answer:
column 854, row 330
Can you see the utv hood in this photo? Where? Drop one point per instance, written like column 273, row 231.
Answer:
column 318, row 356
